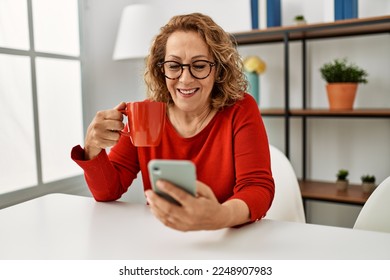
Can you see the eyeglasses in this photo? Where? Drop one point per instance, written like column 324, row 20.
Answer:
column 199, row 69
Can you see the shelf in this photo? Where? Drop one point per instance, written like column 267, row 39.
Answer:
column 285, row 35
column 363, row 113
column 272, row 112
column 350, row 27
column 327, row 191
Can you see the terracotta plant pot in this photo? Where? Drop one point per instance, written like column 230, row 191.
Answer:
column 341, row 96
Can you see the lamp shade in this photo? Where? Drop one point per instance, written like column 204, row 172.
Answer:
column 138, row 25
column 140, row 22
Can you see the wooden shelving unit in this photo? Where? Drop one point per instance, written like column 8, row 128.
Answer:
column 341, row 28
column 304, row 33
column 327, row 191
column 363, row 113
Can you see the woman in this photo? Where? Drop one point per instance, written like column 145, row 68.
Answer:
column 195, row 68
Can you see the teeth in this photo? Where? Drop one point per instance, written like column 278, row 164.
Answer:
column 190, row 91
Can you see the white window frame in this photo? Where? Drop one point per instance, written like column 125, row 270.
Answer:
column 69, row 185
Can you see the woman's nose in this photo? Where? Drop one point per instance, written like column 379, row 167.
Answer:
column 186, row 74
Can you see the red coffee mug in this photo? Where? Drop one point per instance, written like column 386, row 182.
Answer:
column 145, row 122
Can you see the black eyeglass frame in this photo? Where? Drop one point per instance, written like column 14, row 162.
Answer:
column 189, row 65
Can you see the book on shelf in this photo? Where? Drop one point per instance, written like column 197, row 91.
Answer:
column 345, row 9
column 268, row 13
column 255, row 13
column 273, row 13
column 350, row 9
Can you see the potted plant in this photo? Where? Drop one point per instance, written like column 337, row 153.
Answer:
column 368, row 183
column 299, row 20
column 342, row 78
column 342, row 180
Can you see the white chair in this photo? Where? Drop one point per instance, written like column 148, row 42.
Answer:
column 287, row 204
column 375, row 214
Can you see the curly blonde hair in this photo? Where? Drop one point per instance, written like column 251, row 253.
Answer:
column 230, row 83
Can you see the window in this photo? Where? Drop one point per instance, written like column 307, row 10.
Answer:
column 40, row 92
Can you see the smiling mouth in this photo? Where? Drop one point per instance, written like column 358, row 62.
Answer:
column 187, row 92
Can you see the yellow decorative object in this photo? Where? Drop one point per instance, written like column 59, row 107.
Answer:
column 254, row 64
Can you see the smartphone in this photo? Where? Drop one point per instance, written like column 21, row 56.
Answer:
column 181, row 173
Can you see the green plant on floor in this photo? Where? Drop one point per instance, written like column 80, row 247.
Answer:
column 342, row 175
column 340, row 71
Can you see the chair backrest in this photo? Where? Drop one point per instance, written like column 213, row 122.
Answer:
column 287, row 204
column 375, row 214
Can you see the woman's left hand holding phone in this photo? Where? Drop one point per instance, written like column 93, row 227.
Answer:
column 103, row 131
column 195, row 213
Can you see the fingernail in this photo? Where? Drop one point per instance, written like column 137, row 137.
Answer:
column 147, row 193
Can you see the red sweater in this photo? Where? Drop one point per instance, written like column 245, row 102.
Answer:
column 231, row 155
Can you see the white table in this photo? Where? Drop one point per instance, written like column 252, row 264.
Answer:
column 59, row 226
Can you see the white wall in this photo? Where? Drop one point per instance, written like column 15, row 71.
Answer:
column 108, row 82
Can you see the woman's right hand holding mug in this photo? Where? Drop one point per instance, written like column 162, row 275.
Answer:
column 103, row 131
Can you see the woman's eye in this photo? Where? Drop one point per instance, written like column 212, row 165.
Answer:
column 173, row 67
column 199, row 66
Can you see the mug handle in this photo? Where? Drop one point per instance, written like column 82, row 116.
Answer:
column 123, row 132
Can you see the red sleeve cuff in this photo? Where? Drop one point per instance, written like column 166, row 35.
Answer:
column 77, row 153
column 78, row 156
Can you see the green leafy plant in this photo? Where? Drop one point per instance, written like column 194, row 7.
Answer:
column 299, row 17
column 340, row 71
column 368, row 178
column 342, row 175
